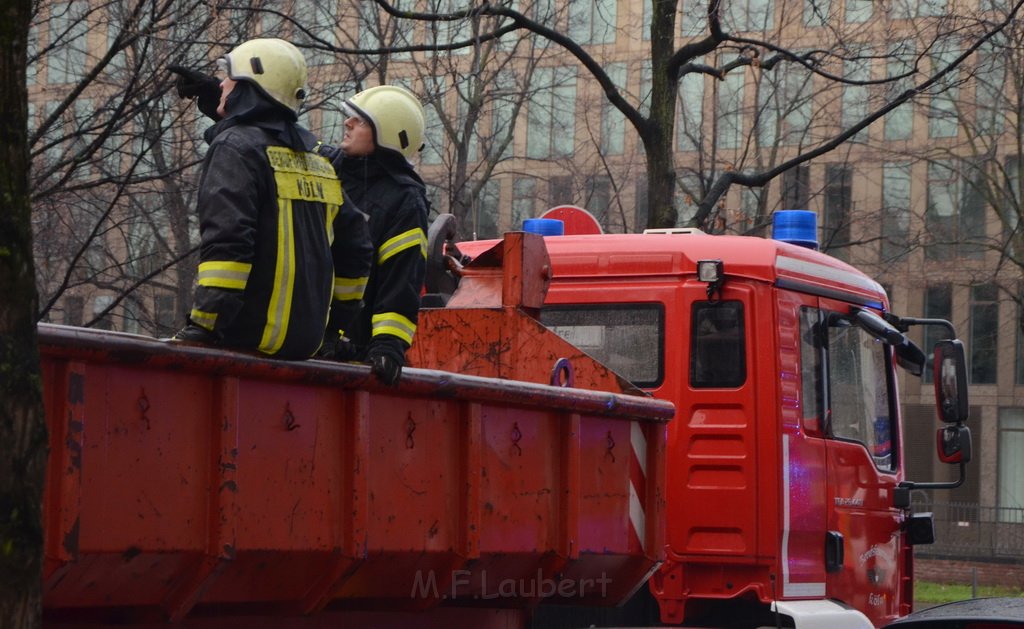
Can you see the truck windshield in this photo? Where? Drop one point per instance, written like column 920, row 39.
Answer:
column 858, row 389
column 626, row 338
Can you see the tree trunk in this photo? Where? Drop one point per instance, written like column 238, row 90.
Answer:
column 23, row 439
column 657, row 137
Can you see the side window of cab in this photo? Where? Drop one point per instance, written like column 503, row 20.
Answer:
column 845, row 373
column 717, row 345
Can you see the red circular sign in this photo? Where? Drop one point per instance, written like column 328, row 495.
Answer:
column 576, row 219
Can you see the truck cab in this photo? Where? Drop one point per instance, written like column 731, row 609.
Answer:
column 785, row 488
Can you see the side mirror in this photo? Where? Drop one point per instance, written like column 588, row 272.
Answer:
column 950, row 377
column 954, row 443
column 908, row 355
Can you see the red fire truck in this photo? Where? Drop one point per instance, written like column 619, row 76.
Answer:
column 525, row 472
column 786, row 493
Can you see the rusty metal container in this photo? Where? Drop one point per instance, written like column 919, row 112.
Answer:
column 189, row 483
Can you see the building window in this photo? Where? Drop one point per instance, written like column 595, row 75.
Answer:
column 560, row 191
column 613, row 123
column 592, row 21
column 895, row 211
column 955, row 215
column 729, row 113
column 817, row 12
column 938, row 304
column 68, row 30
column 1019, row 329
column 524, row 194
column 642, row 204
column 796, row 188
column 908, row 9
column 485, row 209
column 101, row 306
column 691, row 112
column 943, row 118
column 855, row 94
column 551, row 127
column 503, row 102
column 750, row 15
column 835, row 231
column 433, row 132
column 166, row 319
column 446, row 31
column 990, row 101
column 899, row 123
column 693, row 19
column 984, row 333
column 784, row 106
column 74, row 309
column 858, row 11
column 599, row 196
column 1010, row 478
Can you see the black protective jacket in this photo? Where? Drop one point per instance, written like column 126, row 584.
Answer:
column 279, row 244
column 385, row 187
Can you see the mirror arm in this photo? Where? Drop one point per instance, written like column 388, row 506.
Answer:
column 903, row 323
column 937, row 485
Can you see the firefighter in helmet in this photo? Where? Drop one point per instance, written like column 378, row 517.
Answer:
column 383, row 133
column 281, row 249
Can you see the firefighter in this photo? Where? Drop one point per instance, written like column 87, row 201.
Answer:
column 282, row 254
column 383, row 132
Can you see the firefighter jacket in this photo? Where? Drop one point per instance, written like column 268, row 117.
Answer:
column 385, row 187
column 278, row 244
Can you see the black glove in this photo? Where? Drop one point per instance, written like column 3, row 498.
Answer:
column 205, row 89
column 386, row 356
column 338, row 348
column 193, row 333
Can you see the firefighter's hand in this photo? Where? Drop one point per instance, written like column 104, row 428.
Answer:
column 386, row 357
column 193, row 333
column 205, row 89
column 338, row 348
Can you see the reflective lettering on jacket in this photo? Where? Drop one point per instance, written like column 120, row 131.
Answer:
column 299, row 177
column 304, row 177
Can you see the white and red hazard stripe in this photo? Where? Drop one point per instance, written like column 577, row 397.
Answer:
column 638, row 485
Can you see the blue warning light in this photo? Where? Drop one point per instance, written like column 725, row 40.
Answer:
column 798, row 227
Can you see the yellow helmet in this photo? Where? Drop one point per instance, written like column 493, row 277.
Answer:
column 396, row 116
column 276, row 66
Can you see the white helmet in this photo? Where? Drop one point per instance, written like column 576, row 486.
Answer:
column 274, row 65
column 396, row 116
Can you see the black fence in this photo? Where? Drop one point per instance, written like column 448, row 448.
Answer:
column 973, row 532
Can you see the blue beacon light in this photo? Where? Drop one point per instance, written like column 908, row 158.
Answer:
column 798, row 227
column 544, row 226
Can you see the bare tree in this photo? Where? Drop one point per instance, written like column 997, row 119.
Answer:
column 731, row 41
column 115, row 156
column 23, row 436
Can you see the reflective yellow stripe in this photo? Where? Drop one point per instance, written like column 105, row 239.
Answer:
column 332, row 213
column 401, row 242
column 348, row 289
column 394, row 324
column 303, row 176
column 203, row 319
column 222, row 274
column 279, row 309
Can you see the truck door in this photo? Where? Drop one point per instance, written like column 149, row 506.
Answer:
column 863, row 527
